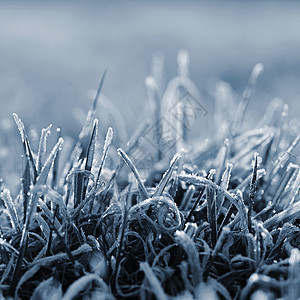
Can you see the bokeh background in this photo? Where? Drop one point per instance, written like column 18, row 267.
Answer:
column 53, row 53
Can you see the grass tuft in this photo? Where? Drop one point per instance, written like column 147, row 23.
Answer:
column 204, row 224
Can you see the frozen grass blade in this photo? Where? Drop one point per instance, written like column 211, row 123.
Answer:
column 252, row 192
column 35, row 266
column 49, row 289
column 43, row 225
column 9, row 247
column 89, row 160
column 26, row 147
column 272, row 114
column 183, row 61
column 166, row 177
column 198, row 180
column 129, row 163
column 285, row 186
column 10, row 206
column 187, row 197
column 83, row 283
column 123, row 227
column 223, row 109
column 212, row 213
column 290, row 213
column 60, row 237
column 8, row 268
column 91, row 113
column 80, row 149
column 226, row 177
column 224, row 185
column 193, row 257
column 49, row 239
column 294, row 189
column 42, row 147
column 196, row 203
column 224, row 233
column 107, row 143
column 157, row 70
column 26, row 182
column 246, row 97
column 56, row 163
column 91, row 147
column 294, row 271
column 284, row 157
column 140, row 132
column 220, row 163
column 154, row 101
column 41, row 180
column 154, row 282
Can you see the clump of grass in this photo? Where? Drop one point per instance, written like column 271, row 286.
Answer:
column 202, row 224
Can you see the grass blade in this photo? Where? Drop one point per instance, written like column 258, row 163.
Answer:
column 26, row 182
column 167, row 175
column 10, row 206
column 26, row 145
column 129, row 163
column 56, row 163
column 91, row 114
column 107, row 143
column 89, row 162
column 42, row 147
column 154, row 282
column 41, row 180
column 246, row 97
column 252, row 192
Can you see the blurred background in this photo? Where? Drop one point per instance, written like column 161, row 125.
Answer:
column 53, row 54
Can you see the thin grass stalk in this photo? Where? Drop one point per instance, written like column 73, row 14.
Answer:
column 167, row 175
column 107, row 143
column 128, row 161
column 42, row 147
column 252, row 192
column 56, row 162
column 246, row 97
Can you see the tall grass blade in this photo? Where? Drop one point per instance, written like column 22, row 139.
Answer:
column 42, row 147
column 107, row 143
column 246, row 97
column 91, row 113
column 167, row 175
column 252, row 192
column 12, row 212
column 153, row 280
column 26, row 182
column 26, row 146
column 129, row 163
column 56, row 163
column 187, row 197
column 82, row 180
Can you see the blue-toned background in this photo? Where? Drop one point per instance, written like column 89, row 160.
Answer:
column 53, row 53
